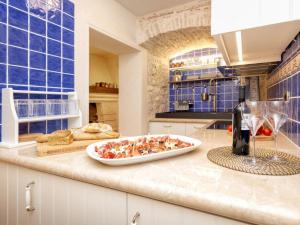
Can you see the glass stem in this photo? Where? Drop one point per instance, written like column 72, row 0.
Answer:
column 254, row 155
column 276, row 145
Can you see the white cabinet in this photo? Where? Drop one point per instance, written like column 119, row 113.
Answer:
column 62, row 201
column 167, row 128
column 154, row 212
column 57, row 200
column 193, row 129
column 187, row 129
column 259, row 22
column 233, row 15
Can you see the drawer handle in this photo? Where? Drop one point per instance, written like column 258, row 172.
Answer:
column 28, row 200
column 135, row 217
column 167, row 126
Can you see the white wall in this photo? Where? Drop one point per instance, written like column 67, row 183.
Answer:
column 108, row 17
column 103, row 69
column 132, row 94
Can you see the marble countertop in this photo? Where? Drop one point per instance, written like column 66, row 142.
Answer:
column 190, row 180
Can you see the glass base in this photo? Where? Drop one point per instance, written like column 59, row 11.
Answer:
column 276, row 158
column 251, row 161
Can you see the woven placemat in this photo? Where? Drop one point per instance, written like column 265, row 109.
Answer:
column 223, row 156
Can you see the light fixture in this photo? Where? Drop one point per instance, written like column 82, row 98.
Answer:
column 238, row 39
column 44, row 5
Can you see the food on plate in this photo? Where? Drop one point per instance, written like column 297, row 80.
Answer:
column 229, row 128
column 139, row 147
column 79, row 135
column 97, row 128
column 267, row 131
column 60, row 137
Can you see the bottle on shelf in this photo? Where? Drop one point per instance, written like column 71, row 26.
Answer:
column 240, row 131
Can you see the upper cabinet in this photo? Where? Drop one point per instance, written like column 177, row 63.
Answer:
column 254, row 31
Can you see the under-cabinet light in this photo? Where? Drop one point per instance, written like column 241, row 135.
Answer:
column 238, row 39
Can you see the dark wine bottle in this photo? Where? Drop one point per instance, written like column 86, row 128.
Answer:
column 240, row 131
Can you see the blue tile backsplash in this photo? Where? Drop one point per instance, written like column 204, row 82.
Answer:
column 227, row 89
column 37, row 52
column 286, row 77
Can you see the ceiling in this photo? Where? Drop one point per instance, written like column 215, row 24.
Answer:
column 143, row 7
column 103, row 44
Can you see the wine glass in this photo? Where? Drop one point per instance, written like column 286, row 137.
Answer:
column 253, row 115
column 276, row 116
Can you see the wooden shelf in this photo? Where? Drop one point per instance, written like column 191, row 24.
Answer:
column 94, row 89
column 202, row 79
column 195, row 67
column 44, row 118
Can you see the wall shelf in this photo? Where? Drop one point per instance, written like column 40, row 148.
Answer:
column 95, row 89
column 11, row 120
column 203, row 79
column 194, row 67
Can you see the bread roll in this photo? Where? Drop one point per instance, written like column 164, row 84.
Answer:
column 60, row 137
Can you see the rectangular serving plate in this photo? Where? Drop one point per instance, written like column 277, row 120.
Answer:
column 144, row 158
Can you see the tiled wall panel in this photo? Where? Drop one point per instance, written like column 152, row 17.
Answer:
column 227, row 89
column 286, row 77
column 37, row 51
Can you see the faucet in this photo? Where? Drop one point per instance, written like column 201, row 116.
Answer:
column 214, row 95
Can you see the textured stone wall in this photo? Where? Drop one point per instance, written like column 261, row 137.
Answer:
column 157, row 85
column 168, row 33
column 192, row 14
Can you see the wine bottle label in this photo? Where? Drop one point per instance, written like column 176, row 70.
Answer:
column 244, row 125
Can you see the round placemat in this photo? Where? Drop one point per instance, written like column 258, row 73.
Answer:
column 223, row 156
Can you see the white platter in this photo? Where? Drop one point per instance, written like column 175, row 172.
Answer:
column 145, row 158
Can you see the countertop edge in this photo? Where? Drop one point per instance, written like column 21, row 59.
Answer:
column 203, row 204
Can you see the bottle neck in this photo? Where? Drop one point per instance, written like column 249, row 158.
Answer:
column 242, row 94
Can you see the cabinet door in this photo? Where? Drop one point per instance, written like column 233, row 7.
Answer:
column 3, row 193
column 167, row 128
column 194, row 129
column 28, row 178
column 154, row 212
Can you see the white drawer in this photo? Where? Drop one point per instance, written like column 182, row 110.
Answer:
column 167, row 128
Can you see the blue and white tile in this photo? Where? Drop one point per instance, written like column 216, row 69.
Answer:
column 3, row 54
column 68, row 66
column 37, row 77
column 17, row 56
column 37, row 25
column 38, row 127
column 68, row 7
column 68, row 51
column 54, row 79
column 54, row 47
column 54, row 63
column 20, row 4
column 17, row 75
column 18, row 18
column 54, row 16
column 2, row 33
column 53, row 125
column 68, row 81
column 3, row 13
column 68, row 22
column 18, row 37
column 37, row 60
column 37, row 43
column 68, row 37
column 3, row 73
column 54, row 31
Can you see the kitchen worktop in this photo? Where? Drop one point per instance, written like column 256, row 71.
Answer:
column 182, row 120
column 190, row 180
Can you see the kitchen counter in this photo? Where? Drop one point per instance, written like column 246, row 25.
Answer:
column 178, row 120
column 190, row 180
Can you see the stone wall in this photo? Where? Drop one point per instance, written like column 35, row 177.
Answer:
column 157, row 84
